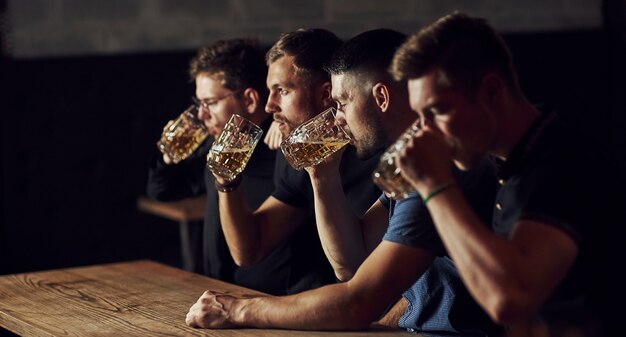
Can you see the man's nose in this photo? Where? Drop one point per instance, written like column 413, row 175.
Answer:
column 271, row 106
column 424, row 123
column 203, row 114
column 340, row 117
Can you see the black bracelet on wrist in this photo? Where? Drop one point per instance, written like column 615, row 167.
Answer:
column 229, row 186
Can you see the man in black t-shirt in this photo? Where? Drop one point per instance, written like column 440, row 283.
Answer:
column 229, row 77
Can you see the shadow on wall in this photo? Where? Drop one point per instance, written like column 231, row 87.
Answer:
column 77, row 135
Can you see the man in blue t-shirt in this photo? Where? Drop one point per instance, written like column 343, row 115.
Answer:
column 410, row 259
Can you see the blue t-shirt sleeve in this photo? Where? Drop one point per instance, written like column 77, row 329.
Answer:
column 410, row 224
column 384, row 200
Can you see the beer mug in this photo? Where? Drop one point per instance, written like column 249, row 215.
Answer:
column 312, row 142
column 387, row 176
column 230, row 153
column 183, row 136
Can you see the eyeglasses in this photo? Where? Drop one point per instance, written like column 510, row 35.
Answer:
column 209, row 102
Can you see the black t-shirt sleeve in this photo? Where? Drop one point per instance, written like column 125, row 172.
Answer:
column 178, row 181
column 547, row 203
column 290, row 185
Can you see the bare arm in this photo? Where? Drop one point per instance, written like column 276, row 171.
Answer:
column 342, row 306
column 252, row 235
column 509, row 277
column 346, row 239
column 274, row 137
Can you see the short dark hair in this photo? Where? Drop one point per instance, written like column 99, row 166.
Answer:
column 240, row 61
column 369, row 52
column 463, row 49
column 311, row 49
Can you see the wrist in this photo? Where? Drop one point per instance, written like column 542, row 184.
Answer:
column 437, row 190
column 323, row 177
column 239, row 315
column 228, row 186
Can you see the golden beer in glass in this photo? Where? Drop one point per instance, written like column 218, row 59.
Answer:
column 183, row 136
column 231, row 152
column 387, row 175
column 315, row 140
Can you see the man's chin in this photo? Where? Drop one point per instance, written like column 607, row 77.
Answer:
column 284, row 129
column 366, row 154
column 466, row 164
column 461, row 165
column 214, row 133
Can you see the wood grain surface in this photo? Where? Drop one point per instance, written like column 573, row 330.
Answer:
column 138, row 298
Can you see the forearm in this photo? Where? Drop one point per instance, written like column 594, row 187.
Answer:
column 328, row 308
column 239, row 224
column 350, row 305
column 493, row 269
column 340, row 230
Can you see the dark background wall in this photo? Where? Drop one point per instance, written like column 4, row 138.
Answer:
column 77, row 134
column 79, row 125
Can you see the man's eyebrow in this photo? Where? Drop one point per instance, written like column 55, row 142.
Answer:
column 430, row 105
column 342, row 95
column 287, row 85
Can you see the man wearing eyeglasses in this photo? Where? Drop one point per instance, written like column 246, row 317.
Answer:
column 229, row 77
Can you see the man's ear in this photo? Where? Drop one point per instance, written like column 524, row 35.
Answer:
column 380, row 93
column 251, row 99
column 327, row 99
column 492, row 89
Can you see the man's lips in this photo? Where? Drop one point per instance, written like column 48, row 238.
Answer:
column 213, row 131
column 281, row 122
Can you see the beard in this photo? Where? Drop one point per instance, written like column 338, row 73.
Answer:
column 368, row 148
column 287, row 125
column 374, row 138
column 371, row 143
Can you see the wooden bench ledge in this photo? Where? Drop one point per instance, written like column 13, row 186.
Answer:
column 189, row 209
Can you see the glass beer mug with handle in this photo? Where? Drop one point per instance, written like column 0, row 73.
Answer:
column 313, row 141
column 387, row 175
column 230, row 153
column 183, row 136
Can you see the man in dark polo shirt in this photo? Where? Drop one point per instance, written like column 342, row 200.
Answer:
column 230, row 79
column 542, row 270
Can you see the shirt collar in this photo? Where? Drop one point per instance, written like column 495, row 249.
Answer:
column 525, row 146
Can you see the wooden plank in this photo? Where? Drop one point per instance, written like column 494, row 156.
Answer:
column 140, row 298
column 186, row 209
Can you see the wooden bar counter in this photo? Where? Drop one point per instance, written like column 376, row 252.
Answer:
column 138, row 298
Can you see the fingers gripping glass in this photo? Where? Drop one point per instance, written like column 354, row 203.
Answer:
column 387, row 175
column 230, row 153
column 314, row 140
